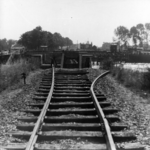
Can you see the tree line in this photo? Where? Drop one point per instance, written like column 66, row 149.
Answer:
column 37, row 37
column 6, row 44
column 138, row 34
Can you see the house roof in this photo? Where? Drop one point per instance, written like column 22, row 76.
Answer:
column 17, row 46
column 43, row 46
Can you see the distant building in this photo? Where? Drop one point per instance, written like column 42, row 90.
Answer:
column 75, row 47
column 4, row 52
column 135, row 50
column 106, row 46
column 114, row 47
column 122, row 48
column 17, row 48
column 146, row 46
column 43, row 47
column 145, row 52
column 86, row 46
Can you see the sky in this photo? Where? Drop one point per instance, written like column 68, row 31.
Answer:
column 80, row 20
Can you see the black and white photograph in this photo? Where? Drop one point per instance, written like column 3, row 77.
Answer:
column 74, row 74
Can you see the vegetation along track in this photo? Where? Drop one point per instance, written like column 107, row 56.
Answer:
column 67, row 108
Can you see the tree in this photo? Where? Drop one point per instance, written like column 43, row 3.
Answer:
column 38, row 28
column 37, row 37
column 147, row 26
column 3, row 44
column 140, row 28
column 58, row 40
column 6, row 44
column 142, row 33
column 94, row 47
column 139, row 34
column 134, row 35
column 47, row 39
column 32, row 39
column 122, row 34
column 10, row 43
column 25, row 39
column 50, row 40
column 67, row 42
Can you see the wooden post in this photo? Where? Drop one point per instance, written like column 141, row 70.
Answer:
column 90, row 62
column 23, row 75
column 80, row 61
column 62, row 60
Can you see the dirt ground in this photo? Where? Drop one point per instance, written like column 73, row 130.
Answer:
column 134, row 106
column 12, row 101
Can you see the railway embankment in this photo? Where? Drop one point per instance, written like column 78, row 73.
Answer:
column 11, row 73
column 13, row 100
column 133, row 103
column 134, row 109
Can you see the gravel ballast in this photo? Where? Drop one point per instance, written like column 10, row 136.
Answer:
column 12, row 101
column 134, row 109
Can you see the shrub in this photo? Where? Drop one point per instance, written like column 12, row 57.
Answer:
column 128, row 77
column 133, row 78
column 107, row 64
column 118, row 73
column 146, row 80
column 34, row 63
column 11, row 73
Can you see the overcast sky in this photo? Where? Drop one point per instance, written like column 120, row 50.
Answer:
column 80, row 20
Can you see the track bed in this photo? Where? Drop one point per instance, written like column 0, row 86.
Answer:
column 67, row 115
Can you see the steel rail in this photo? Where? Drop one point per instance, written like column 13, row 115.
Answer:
column 34, row 135
column 108, row 135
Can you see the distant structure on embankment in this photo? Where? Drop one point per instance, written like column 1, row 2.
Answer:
column 107, row 51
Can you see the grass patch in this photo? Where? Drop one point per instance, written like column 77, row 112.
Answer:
column 11, row 73
column 107, row 63
column 132, row 79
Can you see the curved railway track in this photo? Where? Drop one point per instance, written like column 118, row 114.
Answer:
column 68, row 108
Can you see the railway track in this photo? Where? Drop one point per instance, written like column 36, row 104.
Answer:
column 67, row 108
